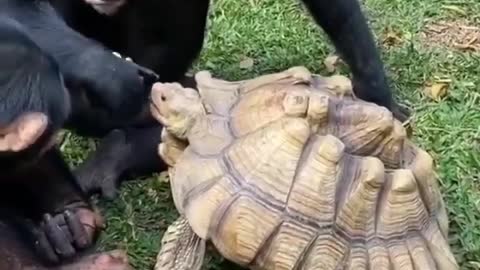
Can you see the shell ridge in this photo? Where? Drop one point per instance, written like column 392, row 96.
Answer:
column 212, row 131
column 392, row 236
column 306, row 253
column 240, row 93
column 248, row 188
column 256, row 167
column 352, row 261
column 372, row 246
column 410, row 255
column 199, row 189
column 231, row 169
column 218, row 216
column 356, row 221
column 266, row 244
column 267, row 199
column 399, row 254
column 381, row 200
column 306, row 151
column 413, row 244
column 342, row 264
column 422, row 236
column 345, row 180
column 409, row 156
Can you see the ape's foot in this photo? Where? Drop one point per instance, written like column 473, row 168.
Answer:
column 101, row 172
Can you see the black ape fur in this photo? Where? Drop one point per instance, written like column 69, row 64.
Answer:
column 105, row 91
column 109, row 82
column 45, row 218
column 37, row 187
column 166, row 36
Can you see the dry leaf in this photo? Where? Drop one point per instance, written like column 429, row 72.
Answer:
column 455, row 9
column 163, row 177
column 392, row 38
column 246, row 63
column 437, row 91
column 331, row 63
column 409, row 126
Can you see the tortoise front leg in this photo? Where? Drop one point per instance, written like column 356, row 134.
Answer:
column 181, row 248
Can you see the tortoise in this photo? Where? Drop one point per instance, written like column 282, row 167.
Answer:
column 284, row 172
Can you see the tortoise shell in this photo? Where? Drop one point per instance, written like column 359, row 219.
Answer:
column 290, row 171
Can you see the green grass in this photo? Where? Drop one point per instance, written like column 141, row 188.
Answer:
column 278, row 34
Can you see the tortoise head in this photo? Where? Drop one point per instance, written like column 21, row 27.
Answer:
column 176, row 107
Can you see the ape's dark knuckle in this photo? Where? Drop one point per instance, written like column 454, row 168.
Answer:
column 77, row 229
column 45, row 250
column 72, row 207
column 66, row 253
column 68, row 213
column 47, row 217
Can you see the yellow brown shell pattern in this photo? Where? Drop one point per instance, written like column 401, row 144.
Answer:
column 283, row 173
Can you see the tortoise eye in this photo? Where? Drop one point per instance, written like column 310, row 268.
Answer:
column 163, row 98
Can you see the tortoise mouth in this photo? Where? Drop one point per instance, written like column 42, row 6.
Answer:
column 155, row 110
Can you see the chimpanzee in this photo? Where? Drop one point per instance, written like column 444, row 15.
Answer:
column 45, row 218
column 102, row 86
column 168, row 35
column 133, row 150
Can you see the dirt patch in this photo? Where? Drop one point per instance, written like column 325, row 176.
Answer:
column 459, row 35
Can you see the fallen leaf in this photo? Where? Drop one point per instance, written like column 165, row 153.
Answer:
column 455, row 9
column 331, row 63
column 247, row 63
column 437, row 91
column 409, row 126
column 163, row 177
column 392, row 38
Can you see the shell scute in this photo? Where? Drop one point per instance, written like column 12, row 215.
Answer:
column 244, row 225
column 267, row 159
column 291, row 176
column 313, row 191
column 279, row 253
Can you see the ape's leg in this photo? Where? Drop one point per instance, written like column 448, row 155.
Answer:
column 17, row 254
column 347, row 27
column 122, row 153
column 61, row 221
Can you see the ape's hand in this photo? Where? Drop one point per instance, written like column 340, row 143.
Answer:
column 120, row 86
column 61, row 236
column 376, row 90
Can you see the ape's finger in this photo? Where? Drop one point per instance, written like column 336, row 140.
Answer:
column 81, row 239
column 57, row 237
column 43, row 247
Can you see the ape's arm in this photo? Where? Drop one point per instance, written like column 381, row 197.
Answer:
column 110, row 81
column 347, row 27
column 166, row 36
